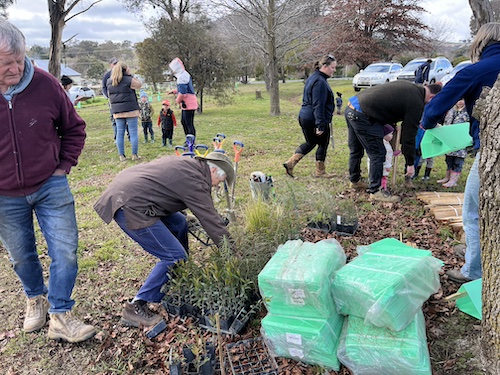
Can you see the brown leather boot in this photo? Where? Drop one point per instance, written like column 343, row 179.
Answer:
column 320, row 170
column 291, row 163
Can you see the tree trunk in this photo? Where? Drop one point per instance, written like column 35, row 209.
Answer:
column 489, row 222
column 274, row 91
column 482, row 12
column 57, row 23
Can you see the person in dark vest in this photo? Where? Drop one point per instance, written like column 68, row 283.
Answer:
column 422, row 72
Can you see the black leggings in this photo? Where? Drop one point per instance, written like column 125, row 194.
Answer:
column 187, row 121
column 322, row 141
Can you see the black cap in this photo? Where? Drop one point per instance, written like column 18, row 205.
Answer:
column 65, row 81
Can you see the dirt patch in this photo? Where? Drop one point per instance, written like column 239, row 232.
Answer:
column 452, row 336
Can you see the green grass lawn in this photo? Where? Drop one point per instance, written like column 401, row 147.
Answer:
column 112, row 267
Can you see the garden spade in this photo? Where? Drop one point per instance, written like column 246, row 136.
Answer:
column 468, row 298
column 238, row 149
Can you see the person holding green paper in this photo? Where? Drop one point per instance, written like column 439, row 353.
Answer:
column 468, row 84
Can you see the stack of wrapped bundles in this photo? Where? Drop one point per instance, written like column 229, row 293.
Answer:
column 302, row 321
column 382, row 292
column 368, row 350
column 387, row 284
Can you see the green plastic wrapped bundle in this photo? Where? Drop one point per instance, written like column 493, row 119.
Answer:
column 297, row 279
column 387, row 284
column 367, row 350
column 312, row 341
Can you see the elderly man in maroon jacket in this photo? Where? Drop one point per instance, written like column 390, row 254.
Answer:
column 42, row 138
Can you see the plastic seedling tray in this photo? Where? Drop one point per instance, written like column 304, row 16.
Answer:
column 251, row 357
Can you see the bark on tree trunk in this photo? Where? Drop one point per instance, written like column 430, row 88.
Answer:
column 489, row 222
column 57, row 23
column 274, row 92
column 482, row 12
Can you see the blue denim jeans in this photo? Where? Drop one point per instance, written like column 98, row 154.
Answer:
column 166, row 240
column 54, row 208
column 121, row 126
column 470, row 217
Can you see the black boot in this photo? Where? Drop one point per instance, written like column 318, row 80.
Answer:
column 417, row 171
column 427, row 174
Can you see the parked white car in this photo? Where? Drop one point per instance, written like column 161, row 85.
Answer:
column 82, row 92
column 376, row 74
column 440, row 66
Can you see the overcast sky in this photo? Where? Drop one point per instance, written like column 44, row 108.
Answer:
column 109, row 20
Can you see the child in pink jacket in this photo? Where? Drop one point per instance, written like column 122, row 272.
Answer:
column 186, row 96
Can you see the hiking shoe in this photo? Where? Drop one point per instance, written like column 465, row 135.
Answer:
column 459, row 250
column 138, row 314
column 123, row 158
column 65, row 326
column 359, row 185
column 36, row 313
column 409, row 183
column 384, row 196
column 136, row 157
column 457, row 277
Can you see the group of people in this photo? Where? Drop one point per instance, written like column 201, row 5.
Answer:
column 44, row 137
column 119, row 86
column 368, row 113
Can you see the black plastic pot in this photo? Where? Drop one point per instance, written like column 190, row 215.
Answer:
column 188, row 354
column 206, row 369
column 174, row 308
column 238, row 325
column 325, row 227
column 175, row 369
column 208, row 321
column 347, row 228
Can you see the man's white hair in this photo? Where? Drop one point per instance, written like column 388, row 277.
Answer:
column 219, row 171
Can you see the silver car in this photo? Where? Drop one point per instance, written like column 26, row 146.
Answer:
column 440, row 66
column 376, row 74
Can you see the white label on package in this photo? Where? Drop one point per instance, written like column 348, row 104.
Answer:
column 296, row 352
column 297, row 296
column 294, row 338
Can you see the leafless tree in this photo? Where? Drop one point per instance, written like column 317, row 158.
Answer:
column 273, row 28
column 4, row 4
column 173, row 10
column 59, row 14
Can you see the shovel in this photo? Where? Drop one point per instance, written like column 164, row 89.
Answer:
column 238, row 149
column 468, row 298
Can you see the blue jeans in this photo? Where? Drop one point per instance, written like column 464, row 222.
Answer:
column 54, row 208
column 470, row 217
column 166, row 240
column 121, row 126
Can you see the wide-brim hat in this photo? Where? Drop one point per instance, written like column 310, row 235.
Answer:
column 221, row 160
